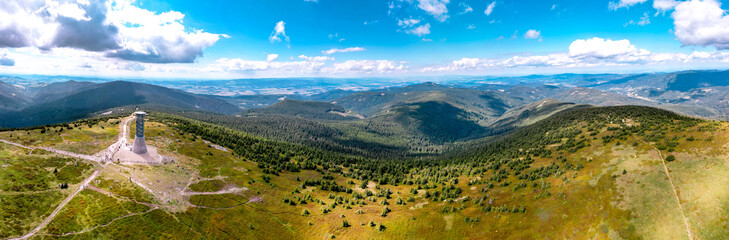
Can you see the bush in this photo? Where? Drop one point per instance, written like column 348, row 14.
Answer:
column 385, row 211
column 670, row 158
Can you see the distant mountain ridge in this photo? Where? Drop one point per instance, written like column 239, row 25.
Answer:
column 63, row 102
column 306, row 109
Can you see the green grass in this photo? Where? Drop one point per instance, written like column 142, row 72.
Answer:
column 218, row 200
column 80, row 139
column 91, row 209
column 124, row 188
column 22, row 212
column 208, row 186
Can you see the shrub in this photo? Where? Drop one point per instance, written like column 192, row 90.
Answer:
column 670, row 158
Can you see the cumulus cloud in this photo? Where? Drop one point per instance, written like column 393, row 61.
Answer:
column 489, row 8
column 156, row 38
column 366, row 66
column 238, row 65
column 623, row 3
column 701, row 23
column 279, row 32
column 344, row 50
column 601, row 50
column 436, row 8
column 533, row 34
column 664, row 5
column 407, row 22
column 115, row 27
column 5, row 60
column 410, row 26
column 308, row 65
column 420, row 30
column 271, row 57
column 316, row 58
column 592, row 52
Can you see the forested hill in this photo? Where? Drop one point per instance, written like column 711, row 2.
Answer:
column 576, row 128
column 68, row 101
column 306, row 109
column 564, row 132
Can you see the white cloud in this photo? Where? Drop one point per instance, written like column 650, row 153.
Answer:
column 584, row 53
column 420, row 30
column 601, row 48
column 317, row 58
column 146, row 36
column 466, row 8
column 410, row 26
column 471, row 26
column 279, row 33
column 115, row 27
column 271, row 57
column 238, row 65
column 366, row 66
column 408, row 22
column 437, row 8
column 701, row 23
column 5, row 60
column 69, row 10
column 644, row 20
column 489, row 8
column 309, row 66
column 664, row 5
column 533, row 34
column 623, row 3
column 344, row 50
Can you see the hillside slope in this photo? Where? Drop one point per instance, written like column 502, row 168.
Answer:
column 12, row 97
column 103, row 96
column 484, row 105
column 530, row 114
column 306, row 109
column 439, row 122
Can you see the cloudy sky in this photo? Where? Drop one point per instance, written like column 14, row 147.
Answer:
column 358, row 38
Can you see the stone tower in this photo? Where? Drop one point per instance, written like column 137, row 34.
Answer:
column 139, row 146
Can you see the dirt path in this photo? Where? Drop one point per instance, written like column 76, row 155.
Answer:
column 673, row 187
column 107, row 154
column 118, row 197
column 53, row 150
column 221, row 191
column 58, row 209
column 27, row 193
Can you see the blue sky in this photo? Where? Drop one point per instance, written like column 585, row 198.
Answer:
column 309, row 25
column 230, row 39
